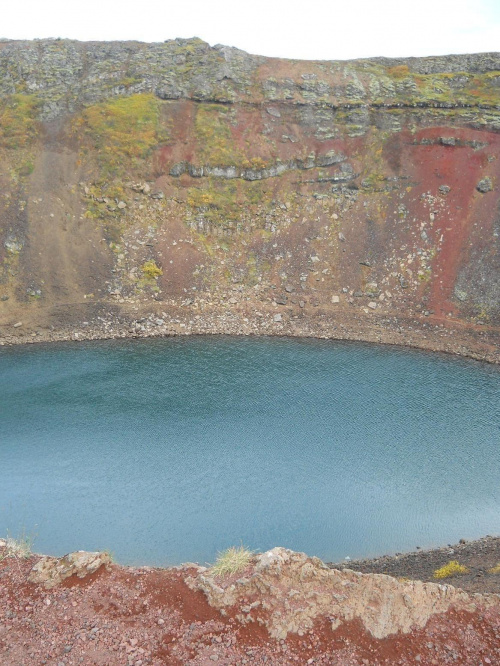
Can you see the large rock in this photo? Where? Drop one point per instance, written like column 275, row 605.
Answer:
column 50, row 571
column 288, row 591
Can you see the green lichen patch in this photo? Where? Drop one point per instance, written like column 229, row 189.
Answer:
column 18, row 121
column 215, row 145
column 124, row 131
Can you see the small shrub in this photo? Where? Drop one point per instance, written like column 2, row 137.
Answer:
column 151, row 270
column 453, row 568
column 495, row 570
column 231, row 561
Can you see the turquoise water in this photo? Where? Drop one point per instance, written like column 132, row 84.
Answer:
column 165, row 451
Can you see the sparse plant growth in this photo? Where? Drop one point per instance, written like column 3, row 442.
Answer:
column 452, row 568
column 18, row 120
column 20, row 548
column 231, row 561
column 495, row 569
column 123, row 130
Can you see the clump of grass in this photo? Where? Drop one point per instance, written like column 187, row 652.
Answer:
column 495, row 570
column 231, row 561
column 452, row 568
column 20, row 548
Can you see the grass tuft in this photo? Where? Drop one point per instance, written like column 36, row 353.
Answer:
column 231, row 561
column 20, row 548
column 495, row 570
column 452, row 568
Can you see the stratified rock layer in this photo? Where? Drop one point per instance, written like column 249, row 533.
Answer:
column 185, row 182
column 288, row 592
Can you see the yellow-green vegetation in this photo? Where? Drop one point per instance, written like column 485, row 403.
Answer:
column 398, row 72
column 18, row 120
column 214, row 137
column 456, row 87
column 231, row 561
column 123, row 131
column 452, row 568
column 495, row 570
column 150, row 270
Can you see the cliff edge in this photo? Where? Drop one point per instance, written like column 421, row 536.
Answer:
column 177, row 187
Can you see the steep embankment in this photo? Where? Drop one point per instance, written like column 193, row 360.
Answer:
column 282, row 608
column 177, row 187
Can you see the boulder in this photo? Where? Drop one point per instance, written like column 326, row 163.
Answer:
column 484, row 185
column 51, row 571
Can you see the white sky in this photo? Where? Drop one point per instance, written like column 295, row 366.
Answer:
column 305, row 29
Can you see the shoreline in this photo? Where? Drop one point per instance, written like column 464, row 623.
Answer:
column 478, row 555
column 432, row 334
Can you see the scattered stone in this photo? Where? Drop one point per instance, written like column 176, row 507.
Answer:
column 447, row 141
column 277, row 318
column 341, row 237
column 232, row 300
column 335, row 298
column 18, row 324
column 372, row 305
column 122, row 205
column 288, row 289
column 444, row 189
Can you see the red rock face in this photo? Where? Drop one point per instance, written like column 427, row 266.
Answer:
column 367, row 191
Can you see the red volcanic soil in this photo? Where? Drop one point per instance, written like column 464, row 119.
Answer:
column 128, row 616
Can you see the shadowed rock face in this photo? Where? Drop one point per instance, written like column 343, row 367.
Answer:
column 133, row 175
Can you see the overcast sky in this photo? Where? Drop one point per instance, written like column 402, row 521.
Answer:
column 306, row 29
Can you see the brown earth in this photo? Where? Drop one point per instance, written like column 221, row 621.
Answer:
column 124, row 615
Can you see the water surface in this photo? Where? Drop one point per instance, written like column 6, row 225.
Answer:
column 165, row 451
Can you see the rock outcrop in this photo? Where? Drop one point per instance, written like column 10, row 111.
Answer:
column 329, row 198
column 288, row 592
column 51, row 571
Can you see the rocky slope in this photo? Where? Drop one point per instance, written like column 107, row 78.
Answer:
column 284, row 608
column 178, row 187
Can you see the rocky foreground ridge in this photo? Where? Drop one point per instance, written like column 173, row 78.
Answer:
column 283, row 608
column 177, row 187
